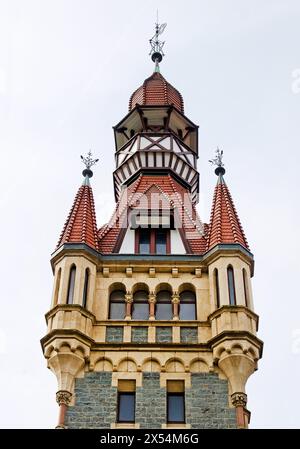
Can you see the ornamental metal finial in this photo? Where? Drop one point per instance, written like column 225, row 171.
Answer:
column 88, row 162
column 218, row 161
column 156, row 51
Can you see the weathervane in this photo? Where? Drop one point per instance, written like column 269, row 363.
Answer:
column 218, row 161
column 88, row 162
column 156, row 52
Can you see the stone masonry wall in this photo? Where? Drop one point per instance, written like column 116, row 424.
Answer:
column 151, row 405
column 95, row 402
column 206, row 402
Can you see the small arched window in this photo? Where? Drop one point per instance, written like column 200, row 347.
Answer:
column 216, row 287
column 71, row 287
column 231, row 286
column 117, row 305
column 163, row 306
column 85, row 287
column 57, row 285
column 187, row 309
column 140, row 305
column 246, row 288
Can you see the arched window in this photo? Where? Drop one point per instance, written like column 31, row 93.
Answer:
column 85, row 287
column 246, row 288
column 140, row 305
column 216, row 287
column 71, row 287
column 57, row 285
column 163, row 306
column 117, row 305
column 231, row 287
column 187, row 309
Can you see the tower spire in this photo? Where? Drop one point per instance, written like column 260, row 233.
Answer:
column 225, row 226
column 81, row 226
column 156, row 51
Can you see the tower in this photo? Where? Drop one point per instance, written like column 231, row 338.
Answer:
column 151, row 323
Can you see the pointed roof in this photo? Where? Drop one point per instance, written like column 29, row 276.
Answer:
column 81, row 226
column 142, row 193
column 156, row 91
column 225, row 226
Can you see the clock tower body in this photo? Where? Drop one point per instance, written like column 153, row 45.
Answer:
column 152, row 323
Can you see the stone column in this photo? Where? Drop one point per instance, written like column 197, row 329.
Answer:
column 128, row 301
column 63, row 398
column 152, row 302
column 239, row 400
column 175, row 302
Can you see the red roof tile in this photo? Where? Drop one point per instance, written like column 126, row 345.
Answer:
column 225, row 226
column 156, row 192
column 81, row 226
column 156, row 91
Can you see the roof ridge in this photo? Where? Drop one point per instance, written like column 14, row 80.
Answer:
column 223, row 211
column 113, row 220
column 187, row 212
column 78, row 223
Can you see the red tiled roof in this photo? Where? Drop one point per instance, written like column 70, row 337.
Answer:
column 156, row 91
column 225, row 226
column 142, row 194
column 81, row 226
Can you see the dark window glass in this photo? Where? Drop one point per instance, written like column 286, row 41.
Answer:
column 187, row 305
column 217, row 290
column 246, row 288
column 85, row 288
column 140, row 305
column 163, row 306
column 231, row 288
column 71, row 287
column 144, row 242
column 176, row 412
column 117, row 305
column 126, row 407
column 161, row 241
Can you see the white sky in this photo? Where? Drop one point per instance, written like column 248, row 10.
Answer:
column 67, row 69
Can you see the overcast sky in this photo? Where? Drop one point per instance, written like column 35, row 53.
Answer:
column 67, row 69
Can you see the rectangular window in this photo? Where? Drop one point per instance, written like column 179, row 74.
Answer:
column 152, row 241
column 144, row 241
column 161, row 241
column 126, row 401
column 175, row 402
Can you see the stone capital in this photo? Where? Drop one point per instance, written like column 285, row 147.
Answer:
column 175, row 298
column 152, row 298
column 63, row 397
column 128, row 298
column 239, row 399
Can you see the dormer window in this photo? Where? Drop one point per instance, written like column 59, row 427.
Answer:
column 152, row 241
column 152, row 231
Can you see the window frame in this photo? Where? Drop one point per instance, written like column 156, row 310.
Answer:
column 178, row 394
column 85, row 287
column 71, row 285
column 246, row 288
column 116, row 302
column 216, row 287
column 126, row 393
column 231, row 288
column 144, row 301
column 152, row 240
column 163, row 302
column 194, row 303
